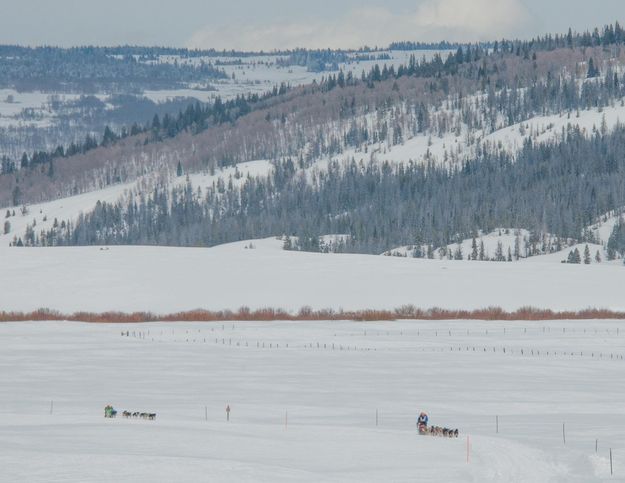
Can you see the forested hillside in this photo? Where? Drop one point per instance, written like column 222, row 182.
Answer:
column 440, row 121
column 559, row 187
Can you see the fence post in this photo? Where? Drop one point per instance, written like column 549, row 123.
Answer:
column 497, row 424
column 596, row 445
column 205, row 413
column 286, row 419
column 563, row 434
column 51, row 406
column 611, row 468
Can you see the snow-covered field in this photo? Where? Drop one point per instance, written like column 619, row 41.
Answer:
column 163, row 280
column 304, row 397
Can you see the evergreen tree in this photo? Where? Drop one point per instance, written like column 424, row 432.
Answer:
column 156, row 123
column 616, row 242
column 109, row 136
column 499, row 256
column 569, row 39
column 482, row 254
column 179, row 169
column 574, row 257
column 592, row 70
column 458, row 252
column 16, row 196
column 587, row 255
column 517, row 247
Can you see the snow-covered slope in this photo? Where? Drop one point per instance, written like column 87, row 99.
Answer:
column 506, row 237
column 161, row 279
column 505, row 242
column 605, row 225
column 462, row 144
column 546, row 128
column 68, row 209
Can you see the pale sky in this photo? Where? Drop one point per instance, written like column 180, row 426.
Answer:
column 270, row 24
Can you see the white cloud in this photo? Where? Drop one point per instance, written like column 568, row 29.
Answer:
column 432, row 20
column 473, row 19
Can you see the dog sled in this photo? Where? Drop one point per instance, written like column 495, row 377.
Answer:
column 110, row 412
column 425, row 430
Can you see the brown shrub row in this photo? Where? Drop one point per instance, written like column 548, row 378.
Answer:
column 407, row 312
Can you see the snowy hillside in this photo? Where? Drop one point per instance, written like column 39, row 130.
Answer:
column 461, row 144
column 604, row 227
column 509, row 244
column 68, row 209
column 164, row 280
column 44, row 113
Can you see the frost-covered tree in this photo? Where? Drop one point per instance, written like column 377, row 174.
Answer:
column 458, row 255
column 517, row 247
column 499, row 256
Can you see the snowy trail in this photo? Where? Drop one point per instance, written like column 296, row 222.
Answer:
column 266, row 371
column 257, row 453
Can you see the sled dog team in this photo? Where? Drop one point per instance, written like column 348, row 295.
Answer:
column 128, row 414
column 443, row 432
column 422, row 426
column 110, row 412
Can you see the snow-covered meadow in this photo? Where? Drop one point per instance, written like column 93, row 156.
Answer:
column 304, row 399
column 260, row 274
